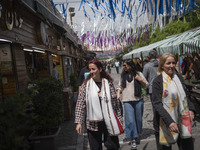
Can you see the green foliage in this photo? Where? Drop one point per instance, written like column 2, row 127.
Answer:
column 74, row 81
column 103, row 58
column 14, row 121
column 46, row 95
column 190, row 21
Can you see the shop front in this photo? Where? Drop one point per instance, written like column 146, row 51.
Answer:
column 37, row 65
column 30, row 48
column 58, row 67
column 7, row 76
column 69, row 69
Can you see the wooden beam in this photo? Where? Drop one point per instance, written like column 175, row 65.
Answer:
column 179, row 65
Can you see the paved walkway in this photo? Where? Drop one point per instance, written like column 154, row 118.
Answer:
column 69, row 140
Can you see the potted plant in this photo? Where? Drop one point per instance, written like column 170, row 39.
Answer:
column 46, row 96
column 14, row 123
column 74, row 81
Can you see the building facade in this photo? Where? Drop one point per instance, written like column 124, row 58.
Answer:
column 33, row 39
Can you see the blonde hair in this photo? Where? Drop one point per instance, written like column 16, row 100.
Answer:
column 163, row 59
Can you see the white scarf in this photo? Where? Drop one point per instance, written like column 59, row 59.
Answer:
column 98, row 112
column 175, row 103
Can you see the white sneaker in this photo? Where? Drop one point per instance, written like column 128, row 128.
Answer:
column 133, row 145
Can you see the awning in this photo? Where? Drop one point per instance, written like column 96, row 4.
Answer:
column 174, row 46
column 145, row 50
column 48, row 14
column 192, row 45
column 29, row 3
column 58, row 24
column 71, row 38
column 190, row 40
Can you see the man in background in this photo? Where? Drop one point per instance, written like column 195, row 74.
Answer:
column 150, row 70
column 84, row 71
column 117, row 66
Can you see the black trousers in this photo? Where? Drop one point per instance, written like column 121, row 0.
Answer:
column 183, row 144
column 95, row 138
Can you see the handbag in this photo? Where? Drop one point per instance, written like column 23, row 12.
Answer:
column 143, row 90
column 121, row 130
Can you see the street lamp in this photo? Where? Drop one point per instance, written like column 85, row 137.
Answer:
column 72, row 14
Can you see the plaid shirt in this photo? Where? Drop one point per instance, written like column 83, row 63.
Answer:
column 81, row 107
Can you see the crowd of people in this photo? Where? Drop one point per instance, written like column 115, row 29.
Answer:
column 100, row 104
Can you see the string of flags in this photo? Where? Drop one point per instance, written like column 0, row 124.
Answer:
column 120, row 23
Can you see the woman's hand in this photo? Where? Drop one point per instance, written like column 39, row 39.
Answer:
column 79, row 128
column 118, row 94
column 191, row 115
column 173, row 127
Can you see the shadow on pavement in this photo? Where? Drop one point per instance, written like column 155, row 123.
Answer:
column 67, row 138
column 146, row 133
column 145, row 146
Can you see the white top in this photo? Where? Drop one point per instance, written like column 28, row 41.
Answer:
column 117, row 64
column 128, row 93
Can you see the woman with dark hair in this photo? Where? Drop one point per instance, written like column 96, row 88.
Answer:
column 98, row 99
column 173, row 110
column 130, row 85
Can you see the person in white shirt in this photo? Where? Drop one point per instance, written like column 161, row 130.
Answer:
column 117, row 66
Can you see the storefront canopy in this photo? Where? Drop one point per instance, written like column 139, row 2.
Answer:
column 146, row 49
column 189, row 39
column 192, row 45
column 174, row 46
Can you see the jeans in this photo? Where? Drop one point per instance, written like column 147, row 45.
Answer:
column 133, row 118
column 117, row 70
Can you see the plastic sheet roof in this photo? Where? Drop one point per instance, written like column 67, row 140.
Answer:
column 174, row 46
column 192, row 45
column 145, row 50
column 189, row 39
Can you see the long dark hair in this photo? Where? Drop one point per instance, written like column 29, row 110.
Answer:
column 132, row 65
column 103, row 73
column 133, row 72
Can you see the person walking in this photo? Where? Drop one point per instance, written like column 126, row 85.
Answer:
column 130, row 85
column 150, row 70
column 173, row 110
column 109, row 67
column 117, row 66
column 55, row 72
column 84, row 72
column 98, row 99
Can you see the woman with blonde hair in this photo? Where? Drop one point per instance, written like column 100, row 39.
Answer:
column 173, row 109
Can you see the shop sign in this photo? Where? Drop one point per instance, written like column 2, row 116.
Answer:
column 43, row 37
column 11, row 19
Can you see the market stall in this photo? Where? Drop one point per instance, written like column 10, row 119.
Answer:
column 175, row 45
column 146, row 49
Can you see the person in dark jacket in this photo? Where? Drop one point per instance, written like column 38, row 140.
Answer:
column 84, row 71
column 173, row 109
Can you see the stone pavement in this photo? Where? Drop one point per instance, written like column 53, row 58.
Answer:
column 69, row 140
